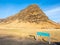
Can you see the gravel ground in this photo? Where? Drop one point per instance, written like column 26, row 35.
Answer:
column 8, row 41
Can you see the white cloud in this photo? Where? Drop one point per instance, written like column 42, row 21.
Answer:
column 53, row 14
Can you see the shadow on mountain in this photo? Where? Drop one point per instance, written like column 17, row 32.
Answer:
column 7, row 40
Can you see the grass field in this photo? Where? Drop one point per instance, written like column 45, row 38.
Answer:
column 25, row 32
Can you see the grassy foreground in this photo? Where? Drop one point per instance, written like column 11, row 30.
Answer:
column 26, row 32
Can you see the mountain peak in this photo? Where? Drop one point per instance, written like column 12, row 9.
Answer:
column 30, row 14
column 33, row 5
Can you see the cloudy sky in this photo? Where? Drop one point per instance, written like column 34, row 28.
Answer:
column 50, row 7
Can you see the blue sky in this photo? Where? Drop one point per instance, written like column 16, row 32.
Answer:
column 50, row 7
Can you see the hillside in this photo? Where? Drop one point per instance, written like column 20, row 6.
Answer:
column 32, row 16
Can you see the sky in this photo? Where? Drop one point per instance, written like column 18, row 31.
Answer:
column 50, row 7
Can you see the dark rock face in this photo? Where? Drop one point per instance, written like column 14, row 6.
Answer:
column 57, row 43
column 2, row 20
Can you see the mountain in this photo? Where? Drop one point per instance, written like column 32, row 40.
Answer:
column 31, row 14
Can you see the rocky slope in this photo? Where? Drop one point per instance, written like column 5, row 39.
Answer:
column 31, row 14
